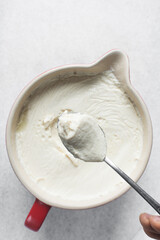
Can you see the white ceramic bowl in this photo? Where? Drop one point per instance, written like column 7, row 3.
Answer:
column 113, row 59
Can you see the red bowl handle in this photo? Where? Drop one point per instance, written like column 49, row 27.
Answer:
column 37, row 215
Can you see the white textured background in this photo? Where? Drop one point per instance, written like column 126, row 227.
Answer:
column 36, row 35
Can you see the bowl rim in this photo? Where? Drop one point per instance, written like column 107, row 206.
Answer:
column 85, row 204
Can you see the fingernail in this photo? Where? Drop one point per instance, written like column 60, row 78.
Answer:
column 156, row 218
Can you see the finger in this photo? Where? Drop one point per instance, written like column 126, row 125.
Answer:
column 152, row 235
column 145, row 221
column 155, row 223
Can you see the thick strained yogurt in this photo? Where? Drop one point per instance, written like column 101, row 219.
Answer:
column 46, row 160
column 82, row 136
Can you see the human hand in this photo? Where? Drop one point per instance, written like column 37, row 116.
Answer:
column 151, row 225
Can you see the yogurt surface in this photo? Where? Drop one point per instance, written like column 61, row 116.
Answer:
column 46, row 160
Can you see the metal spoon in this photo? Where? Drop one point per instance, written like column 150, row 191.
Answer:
column 133, row 184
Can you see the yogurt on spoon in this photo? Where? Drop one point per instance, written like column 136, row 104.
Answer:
column 82, row 136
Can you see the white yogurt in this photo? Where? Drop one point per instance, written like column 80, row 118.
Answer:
column 82, row 136
column 46, row 160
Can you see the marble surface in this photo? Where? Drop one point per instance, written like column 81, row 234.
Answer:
column 36, row 35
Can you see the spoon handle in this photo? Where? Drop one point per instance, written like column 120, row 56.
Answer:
column 145, row 195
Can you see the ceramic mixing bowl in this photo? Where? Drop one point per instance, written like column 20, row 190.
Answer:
column 113, row 59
